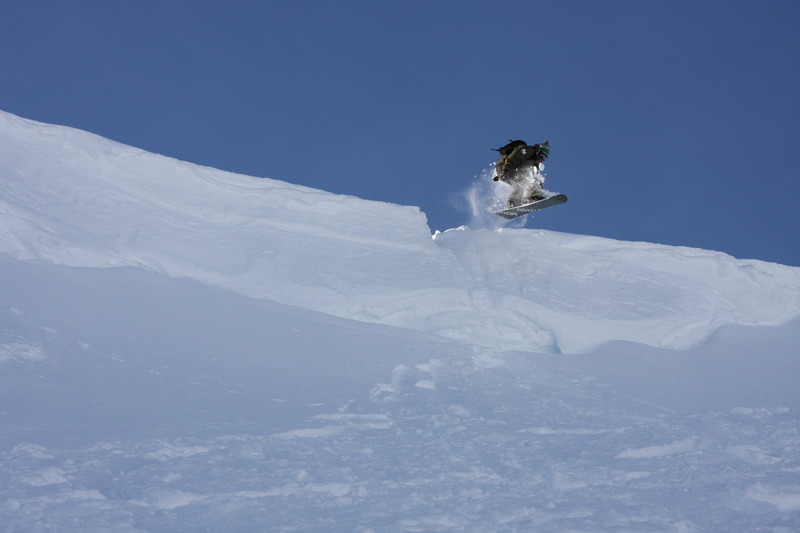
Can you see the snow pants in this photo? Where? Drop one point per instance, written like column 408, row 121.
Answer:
column 525, row 182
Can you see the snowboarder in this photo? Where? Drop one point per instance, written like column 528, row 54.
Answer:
column 519, row 165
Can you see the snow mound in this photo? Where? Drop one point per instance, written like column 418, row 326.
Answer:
column 73, row 198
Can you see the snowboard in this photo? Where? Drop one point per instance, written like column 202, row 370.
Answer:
column 514, row 212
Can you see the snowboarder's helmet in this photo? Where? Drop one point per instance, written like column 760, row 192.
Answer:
column 544, row 150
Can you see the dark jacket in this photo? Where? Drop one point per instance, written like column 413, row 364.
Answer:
column 514, row 157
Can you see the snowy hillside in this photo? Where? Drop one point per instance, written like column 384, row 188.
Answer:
column 186, row 349
column 71, row 198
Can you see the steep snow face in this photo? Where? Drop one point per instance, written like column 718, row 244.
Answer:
column 72, row 198
column 585, row 291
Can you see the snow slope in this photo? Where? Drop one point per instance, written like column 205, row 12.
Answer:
column 185, row 349
column 91, row 202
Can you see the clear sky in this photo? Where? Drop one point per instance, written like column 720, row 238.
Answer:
column 673, row 121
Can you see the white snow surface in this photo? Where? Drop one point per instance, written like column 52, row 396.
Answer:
column 187, row 349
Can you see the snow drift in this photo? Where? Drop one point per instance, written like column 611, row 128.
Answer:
column 76, row 199
column 186, row 349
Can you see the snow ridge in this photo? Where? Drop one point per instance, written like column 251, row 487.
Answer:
column 153, row 377
column 73, row 198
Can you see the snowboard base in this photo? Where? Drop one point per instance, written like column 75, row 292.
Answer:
column 514, row 212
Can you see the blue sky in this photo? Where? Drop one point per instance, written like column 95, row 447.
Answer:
column 674, row 122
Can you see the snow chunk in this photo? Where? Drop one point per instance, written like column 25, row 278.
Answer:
column 648, row 452
column 786, row 500
column 20, row 352
column 49, row 475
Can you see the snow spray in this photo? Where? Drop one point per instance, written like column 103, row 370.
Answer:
column 482, row 198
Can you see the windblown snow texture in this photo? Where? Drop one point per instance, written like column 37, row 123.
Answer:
column 186, row 349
